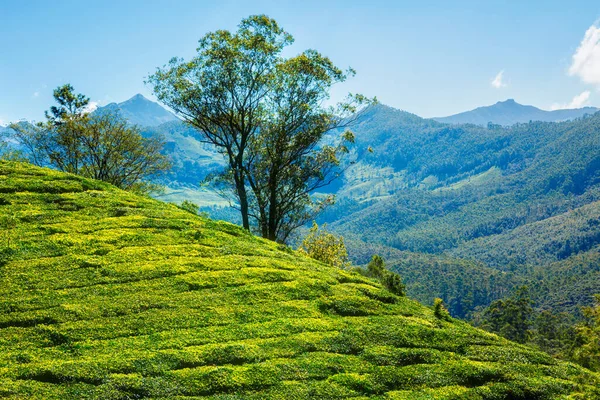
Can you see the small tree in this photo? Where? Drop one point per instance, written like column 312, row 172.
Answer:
column 325, row 247
column 190, row 207
column 587, row 353
column 102, row 146
column 439, row 310
column 391, row 280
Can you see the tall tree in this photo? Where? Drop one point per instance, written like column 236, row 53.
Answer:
column 102, row 146
column 221, row 90
column 288, row 158
column 265, row 114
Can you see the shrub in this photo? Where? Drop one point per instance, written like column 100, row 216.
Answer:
column 325, row 247
column 391, row 280
column 189, row 207
column 439, row 310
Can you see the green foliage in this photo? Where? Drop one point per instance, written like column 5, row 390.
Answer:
column 189, row 207
column 376, row 267
column 555, row 334
column 265, row 114
column 510, row 317
column 109, row 295
column 391, row 280
column 325, row 247
column 587, row 352
column 439, row 310
column 102, row 146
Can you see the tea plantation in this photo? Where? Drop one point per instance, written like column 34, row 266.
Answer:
column 107, row 295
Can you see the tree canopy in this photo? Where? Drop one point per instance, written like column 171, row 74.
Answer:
column 101, row 146
column 267, row 115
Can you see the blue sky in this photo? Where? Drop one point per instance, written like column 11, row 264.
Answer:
column 433, row 58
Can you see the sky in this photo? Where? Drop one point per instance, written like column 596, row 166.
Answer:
column 432, row 58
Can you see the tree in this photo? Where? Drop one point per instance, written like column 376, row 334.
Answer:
column 325, row 247
column 101, row 146
column 587, row 353
column 391, row 280
column 511, row 317
column 553, row 333
column 220, row 91
column 265, row 114
column 287, row 159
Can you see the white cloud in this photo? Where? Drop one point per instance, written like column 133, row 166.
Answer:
column 578, row 101
column 497, row 81
column 586, row 60
column 91, row 107
column 35, row 94
column 2, row 122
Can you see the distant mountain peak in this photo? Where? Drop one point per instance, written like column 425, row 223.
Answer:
column 136, row 98
column 139, row 110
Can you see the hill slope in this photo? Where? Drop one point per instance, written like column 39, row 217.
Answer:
column 510, row 112
column 108, row 295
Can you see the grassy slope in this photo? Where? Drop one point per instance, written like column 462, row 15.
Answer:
column 107, row 295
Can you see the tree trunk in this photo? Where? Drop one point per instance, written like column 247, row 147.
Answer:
column 273, row 207
column 243, row 197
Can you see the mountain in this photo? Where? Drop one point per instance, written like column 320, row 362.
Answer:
column 108, row 295
column 510, row 112
column 468, row 213
column 138, row 110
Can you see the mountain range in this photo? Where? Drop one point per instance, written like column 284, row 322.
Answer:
column 466, row 213
column 510, row 112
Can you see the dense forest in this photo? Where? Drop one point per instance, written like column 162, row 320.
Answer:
column 494, row 207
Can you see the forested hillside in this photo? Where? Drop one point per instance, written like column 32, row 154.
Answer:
column 513, row 200
column 494, row 207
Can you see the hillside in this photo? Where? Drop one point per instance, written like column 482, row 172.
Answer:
column 509, row 199
column 510, row 112
column 108, row 295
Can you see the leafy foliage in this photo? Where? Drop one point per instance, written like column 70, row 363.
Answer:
column 189, row 207
column 439, row 310
column 588, row 337
column 391, row 280
column 102, row 146
column 325, row 247
column 510, row 317
column 265, row 114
